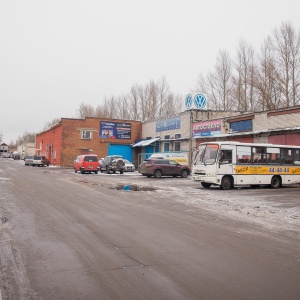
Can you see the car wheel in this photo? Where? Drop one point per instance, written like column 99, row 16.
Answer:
column 75, row 170
column 275, row 182
column 184, row 173
column 121, row 171
column 226, row 183
column 96, row 172
column 82, row 171
column 157, row 173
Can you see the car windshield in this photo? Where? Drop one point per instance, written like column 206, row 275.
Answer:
column 29, row 157
column 37, row 158
column 126, row 161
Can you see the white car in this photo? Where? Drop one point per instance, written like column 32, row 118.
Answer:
column 129, row 167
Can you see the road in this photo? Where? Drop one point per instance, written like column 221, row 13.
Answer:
column 72, row 236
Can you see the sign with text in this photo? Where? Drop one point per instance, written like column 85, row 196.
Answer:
column 267, row 170
column 115, row 130
column 168, row 124
column 208, row 128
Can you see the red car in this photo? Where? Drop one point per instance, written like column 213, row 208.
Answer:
column 86, row 164
column 163, row 167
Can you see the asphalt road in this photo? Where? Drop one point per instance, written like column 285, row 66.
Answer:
column 71, row 236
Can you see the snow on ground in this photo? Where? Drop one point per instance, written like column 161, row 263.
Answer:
column 240, row 205
column 257, row 206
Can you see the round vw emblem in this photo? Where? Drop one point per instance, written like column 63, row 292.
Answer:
column 200, row 101
column 188, row 101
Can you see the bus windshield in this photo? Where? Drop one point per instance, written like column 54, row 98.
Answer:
column 206, row 154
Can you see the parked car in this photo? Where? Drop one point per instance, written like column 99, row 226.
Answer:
column 113, row 163
column 16, row 156
column 28, row 160
column 129, row 167
column 163, row 167
column 40, row 161
column 86, row 164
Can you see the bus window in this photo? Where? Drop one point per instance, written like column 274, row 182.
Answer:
column 286, row 156
column 259, row 155
column 297, row 157
column 206, row 154
column 273, row 155
column 225, row 157
column 199, row 155
column 243, row 154
column 290, row 156
column 210, row 154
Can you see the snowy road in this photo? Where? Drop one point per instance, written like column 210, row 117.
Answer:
column 71, row 236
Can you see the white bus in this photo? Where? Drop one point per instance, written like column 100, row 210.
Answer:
column 229, row 164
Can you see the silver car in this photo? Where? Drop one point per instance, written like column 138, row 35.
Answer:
column 40, row 161
column 129, row 167
column 28, row 160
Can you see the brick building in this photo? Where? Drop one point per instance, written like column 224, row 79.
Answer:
column 67, row 139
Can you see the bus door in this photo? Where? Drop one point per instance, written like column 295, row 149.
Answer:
column 225, row 161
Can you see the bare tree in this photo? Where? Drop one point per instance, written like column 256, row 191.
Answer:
column 134, row 103
column 265, row 79
column 243, row 80
column 51, row 123
column 26, row 137
column 85, row 110
column 220, row 83
column 286, row 42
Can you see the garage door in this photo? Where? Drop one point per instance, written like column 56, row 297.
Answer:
column 124, row 150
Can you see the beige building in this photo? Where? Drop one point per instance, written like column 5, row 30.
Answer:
column 175, row 134
column 26, row 149
column 185, row 131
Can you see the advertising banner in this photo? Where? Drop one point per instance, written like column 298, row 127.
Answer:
column 168, row 125
column 115, row 130
column 181, row 158
column 266, row 170
column 207, row 128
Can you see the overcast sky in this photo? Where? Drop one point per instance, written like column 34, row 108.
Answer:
column 55, row 55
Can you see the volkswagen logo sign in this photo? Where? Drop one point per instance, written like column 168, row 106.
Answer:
column 199, row 101
column 188, row 101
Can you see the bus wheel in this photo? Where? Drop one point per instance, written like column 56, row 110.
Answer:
column 206, row 185
column 226, row 183
column 275, row 182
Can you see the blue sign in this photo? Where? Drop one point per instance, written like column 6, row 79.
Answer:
column 168, row 125
column 115, row 130
column 200, row 101
column 188, row 101
column 245, row 125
